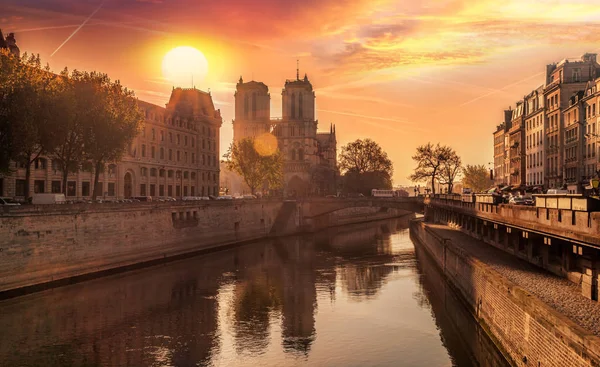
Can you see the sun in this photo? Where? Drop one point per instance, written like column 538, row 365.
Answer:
column 185, row 66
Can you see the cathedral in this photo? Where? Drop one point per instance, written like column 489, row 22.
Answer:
column 310, row 161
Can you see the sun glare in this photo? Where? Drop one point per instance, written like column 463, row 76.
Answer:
column 185, row 66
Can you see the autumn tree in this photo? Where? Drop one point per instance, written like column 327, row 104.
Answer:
column 476, row 177
column 27, row 114
column 365, row 166
column 111, row 119
column 255, row 166
column 430, row 161
column 450, row 169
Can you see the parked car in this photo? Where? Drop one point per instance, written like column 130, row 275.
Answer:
column 9, row 202
column 517, row 200
column 557, row 192
column 142, row 198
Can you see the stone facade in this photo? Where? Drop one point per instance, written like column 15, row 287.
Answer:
column 534, row 137
column 310, row 157
column 557, row 153
column 175, row 154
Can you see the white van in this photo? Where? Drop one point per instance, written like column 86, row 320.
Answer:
column 557, row 192
column 48, row 199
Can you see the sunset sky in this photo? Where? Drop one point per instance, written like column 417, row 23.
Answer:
column 400, row 72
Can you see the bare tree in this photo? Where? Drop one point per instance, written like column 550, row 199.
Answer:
column 430, row 160
column 450, row 169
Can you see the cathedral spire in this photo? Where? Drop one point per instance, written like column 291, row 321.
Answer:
column 297, row 69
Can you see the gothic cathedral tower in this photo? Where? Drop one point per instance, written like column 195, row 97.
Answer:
column 252, row 110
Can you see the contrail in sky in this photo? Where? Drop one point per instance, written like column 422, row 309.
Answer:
column 78, row 28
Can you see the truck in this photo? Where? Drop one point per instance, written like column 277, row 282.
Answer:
column 38, row 199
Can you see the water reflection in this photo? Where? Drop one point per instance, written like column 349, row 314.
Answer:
column 347, row 296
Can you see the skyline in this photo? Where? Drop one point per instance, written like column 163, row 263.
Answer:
column 463, row 63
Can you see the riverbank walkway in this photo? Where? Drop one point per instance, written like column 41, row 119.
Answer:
column 558, row 293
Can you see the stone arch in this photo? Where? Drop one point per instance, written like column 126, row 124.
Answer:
column 297, row 187
column 128, row 184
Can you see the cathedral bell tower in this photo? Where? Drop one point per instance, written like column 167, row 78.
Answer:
column 298, row 99
column 252, row 109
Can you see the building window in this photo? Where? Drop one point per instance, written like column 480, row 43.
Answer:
column 193, row 158
column 178, row 156
column 162, row 153
column 153, row 134
column 56, row 187
column 162, row 135
column 293, row 155
column 300, row 105
column 185, row 156
column 170, row 154
column 111, row 189
column 39, row 186
column 293, row 106
column 186, row 175
column 185, row 190
column 143, row 189
column 178, row 190
column 20, row 187
column 193, row 175
column 170, row 173
column 71, row 188
column 178, row 139
column 161, row 173
column 152, row 172
column 178, row 174
column 153, row 152
column 193, row 142
column 144, row 171
column 143, row 150
column 152, row 190
column 193, row 191
column 170, row 137
column 161, row 190
column 185, row 140
column 40, row 163
column 85, row 188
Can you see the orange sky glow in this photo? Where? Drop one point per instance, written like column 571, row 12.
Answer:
column 403, row 73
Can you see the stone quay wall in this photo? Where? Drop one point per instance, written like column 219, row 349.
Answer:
column 46, row 244
column 526, row 329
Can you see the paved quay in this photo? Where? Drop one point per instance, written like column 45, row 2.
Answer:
column 559, row 293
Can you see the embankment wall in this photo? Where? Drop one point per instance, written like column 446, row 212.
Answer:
column 530, row 332
column 46, row 244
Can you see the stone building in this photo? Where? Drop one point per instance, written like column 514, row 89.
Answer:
column 174, row 155
column 9, row 43
column 537, row 150
column 562, row 81
column 516, row 146
column 534, row 137
column 310, row 157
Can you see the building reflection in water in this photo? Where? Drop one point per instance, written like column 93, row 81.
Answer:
column 248, row 301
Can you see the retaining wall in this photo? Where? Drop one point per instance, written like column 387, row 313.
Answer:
column 529, row 331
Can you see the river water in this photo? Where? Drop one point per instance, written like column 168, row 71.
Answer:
column 359, row 295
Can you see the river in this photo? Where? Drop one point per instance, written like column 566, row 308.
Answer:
column 359, row 295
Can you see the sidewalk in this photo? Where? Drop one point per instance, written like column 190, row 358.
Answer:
column 559, row 293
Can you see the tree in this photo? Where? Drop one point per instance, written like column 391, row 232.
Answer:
column 256, row 169
column 27, row 112
column 429, row 159
column 476, row 177
column 451, row 168
column 67, row 148
column 365, row 166
column 111, row 119
column 363, row 156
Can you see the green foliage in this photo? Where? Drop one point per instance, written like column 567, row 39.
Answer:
column 365, row 156
column 477, row 178
column 366, row 166
column 69, row 117
column 255, row 169
column 435, row 162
